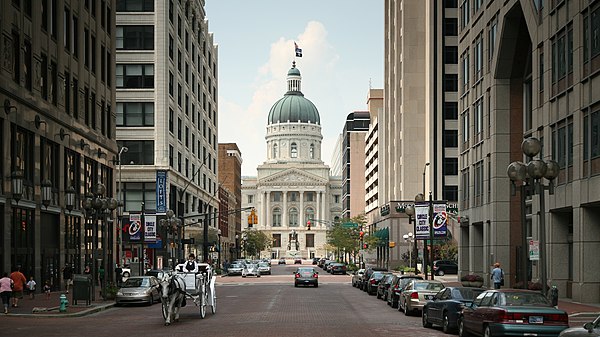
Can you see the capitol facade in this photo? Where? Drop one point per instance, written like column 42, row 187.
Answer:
column 293, row 194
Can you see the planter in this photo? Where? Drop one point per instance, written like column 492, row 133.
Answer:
column 476, row 284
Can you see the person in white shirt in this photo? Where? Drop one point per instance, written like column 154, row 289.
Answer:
column 190, row 266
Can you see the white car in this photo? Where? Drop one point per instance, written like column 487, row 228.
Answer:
column 264, row 268
column 250, row 270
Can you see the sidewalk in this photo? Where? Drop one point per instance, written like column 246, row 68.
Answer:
column 41, row 306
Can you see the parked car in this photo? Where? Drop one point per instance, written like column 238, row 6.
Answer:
column 590, row 329
column 442, row 267
column 338, row 268
column 250, row 269
column 138, row 289
column 326, row 264
column 298, row 260
column 416, row 293
column 395, row 289
column 357, row 278
column 264, row 268
column 281, row 261
column 373, row 281
column 511, row 312
column 367, row 275
column 235, row 269
column 315, row 260
column 306, row 276
column 444, row 308
column 383, row 286
column 321, row 262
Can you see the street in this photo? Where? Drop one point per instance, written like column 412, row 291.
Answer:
column 266, row 306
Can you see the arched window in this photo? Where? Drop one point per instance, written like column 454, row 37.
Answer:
column 293, row 217
column 311, row 151
column 309, row 214
column 277, row 217
column 294, row 150
column 275, row 150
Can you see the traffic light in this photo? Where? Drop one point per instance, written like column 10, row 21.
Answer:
column 252, row 218
column 365, row 246
column 308, row 224
column 361, row 234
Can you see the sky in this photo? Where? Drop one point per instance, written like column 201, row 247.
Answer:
column 342, row 43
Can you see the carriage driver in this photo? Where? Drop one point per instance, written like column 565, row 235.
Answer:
column 191, row 266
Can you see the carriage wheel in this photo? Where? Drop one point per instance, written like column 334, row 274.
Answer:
column 165, row 308
column 203, row 300
column 214, row 302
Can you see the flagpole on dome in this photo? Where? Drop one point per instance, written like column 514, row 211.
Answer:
column 297, row 50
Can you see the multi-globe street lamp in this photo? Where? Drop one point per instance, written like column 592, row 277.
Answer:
column 410, row 211
column 97, row 207
column 171, row 223
column 530, row 175
column 409, row 238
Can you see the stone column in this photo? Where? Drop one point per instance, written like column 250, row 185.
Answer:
column 301, row 215
column 267, row 208
column 318, row 210
column 284, row 212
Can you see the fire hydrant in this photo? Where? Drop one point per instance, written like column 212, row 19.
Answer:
column 63, row 303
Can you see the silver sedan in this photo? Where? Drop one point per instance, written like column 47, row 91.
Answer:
column 590, row 329
column 416, row 293
column 138, row 289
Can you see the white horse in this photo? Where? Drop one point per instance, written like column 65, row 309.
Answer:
column 172, row 295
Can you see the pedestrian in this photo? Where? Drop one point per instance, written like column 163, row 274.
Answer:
column 119, row 275
column 47, row 289
column 68, row 277
column 31, row 287
column 6, row 286
column 87, row 270
column 19, row 284
column 101, row 275
column 497, row 276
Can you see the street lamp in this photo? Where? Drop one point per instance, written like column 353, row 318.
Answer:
column 97, row 207
column 424, row 169
column 410, row 211
column 17, row 185
column 219, row 251
column 172, row 224
column 530, row 175
column 237, row 246
column 410, row 238
column 120, row 205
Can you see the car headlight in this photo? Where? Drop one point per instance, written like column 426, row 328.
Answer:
column 119, row 293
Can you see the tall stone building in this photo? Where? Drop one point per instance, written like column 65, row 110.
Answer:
column 293, row 185
column 230, row 178
column 353, row 159
column 167, row 118
column 57, row 136
column 530, row 69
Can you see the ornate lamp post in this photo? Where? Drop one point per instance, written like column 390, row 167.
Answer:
column 17, row 185
column 530, row 175
column 172, row 224
column 410, row 211
column 410, row 238
column 97, row 207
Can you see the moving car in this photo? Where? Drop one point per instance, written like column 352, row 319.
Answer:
column 444, row 308
column 416, row 293
column 138, row 289
column 395, row 289
column 250, row 269
column 264, row 268
column 281, row 261
column 306, row 276
column 590, row 329
column 357, row 278
column 235, row 269
column 442, row 267
column 511, row 312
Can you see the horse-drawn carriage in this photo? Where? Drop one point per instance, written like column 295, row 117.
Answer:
column 179, row 285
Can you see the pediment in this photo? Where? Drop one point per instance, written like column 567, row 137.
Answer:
column 293, row 177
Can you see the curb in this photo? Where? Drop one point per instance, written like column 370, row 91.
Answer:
column 85, row 312
column 585, row 314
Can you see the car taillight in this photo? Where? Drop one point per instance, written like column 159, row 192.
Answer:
column 557, row 318
column 297, row 275
column 315, row 275
column 414, row 295
column 506, row 317
column 372, row 281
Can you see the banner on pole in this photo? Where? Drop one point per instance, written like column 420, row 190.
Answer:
column 135, row 227
column 149, row 228
column 440, row 220
column 161, row 191
column 422, row 221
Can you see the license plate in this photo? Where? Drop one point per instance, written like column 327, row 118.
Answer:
column 536, row 319
column 428, row 297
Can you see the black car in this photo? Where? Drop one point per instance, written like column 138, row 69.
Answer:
column 444, row 308
column 315, row 260
column 442, row 267
column 395, row 288
column 383, row 286
column 367, row 275
column 306, row 276
column 374, row 280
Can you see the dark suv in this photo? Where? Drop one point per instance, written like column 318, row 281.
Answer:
column 442, row 267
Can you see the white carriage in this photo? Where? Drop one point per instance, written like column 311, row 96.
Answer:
column 200, row 288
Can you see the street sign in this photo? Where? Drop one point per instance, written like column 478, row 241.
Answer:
column 350, row 225
column 534, row 250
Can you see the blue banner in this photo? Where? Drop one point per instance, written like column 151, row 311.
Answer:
column 440, row 220
column 161, row 191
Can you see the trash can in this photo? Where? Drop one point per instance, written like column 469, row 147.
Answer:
column 82, row 288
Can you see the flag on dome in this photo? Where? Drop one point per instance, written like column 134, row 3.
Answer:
column 298, row 50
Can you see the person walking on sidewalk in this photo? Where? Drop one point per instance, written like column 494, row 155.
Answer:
column 47, row 289
column 68, row 277
column 6, row 285
column 497, row 276
column 31, row 287
column 19, row 284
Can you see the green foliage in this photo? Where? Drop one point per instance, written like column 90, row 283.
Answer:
column 255, row 242
column 447, row 251
column 343, row 238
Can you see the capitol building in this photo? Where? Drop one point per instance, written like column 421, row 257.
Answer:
column 293, row 194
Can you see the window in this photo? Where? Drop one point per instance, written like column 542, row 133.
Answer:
column 276, row 240
column 75, row 36
column 562, row 139
column 27, row 70
column 478, row 109
column 478, row 50
column 450, row 166
column 135, row 114
column 294, row 150
column 170, row 155
column 311, row 151
column 67, row 29
column 277, row 217
column 450, row 27
column 591, row 137
column 562, row 60
column 171, row 120
column 135, row 5
column 309, row 214
column 465, row 188
column 464, row 71
column 309, row 196
column 450, row 193
column 450, row 82
column 275, row 154
column 464, row 14
column 336, row 198
column 465, row 126
column 171, row 84
column 450, row 138
column 591, row 39
column 450, row 3
column 135, row 76
column 310, row 240
column 250, row 198
column 134, row 194
column 135, row 37
column 450, row 110
column 293, row 220
column 478, row 183
column 451, row 55
column 179, row 128
column 141, row 152
column 492, row 31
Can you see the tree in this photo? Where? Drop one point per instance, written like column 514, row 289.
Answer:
column 255, row 241
column 347, row 238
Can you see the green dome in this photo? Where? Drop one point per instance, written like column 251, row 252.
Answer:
column 293, row 72
column 294, row 107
